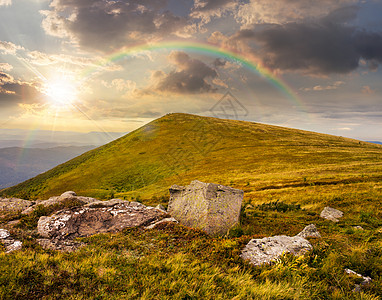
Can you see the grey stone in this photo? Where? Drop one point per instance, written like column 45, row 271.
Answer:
column 309, row 231
column 162, row 221
column 60, row 245
column 108, row 203
column 4, row 234
column 69, row 194
column 56, row 200
column 14, row 204
column 161, row 207
column 358, row 227
column 9, row 243
column 266, row 250
column 16, row 245
column 331, row 214
column 366, row 280
column 214, row 208
column 86, row 221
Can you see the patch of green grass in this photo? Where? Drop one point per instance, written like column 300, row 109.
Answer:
column 278, row 206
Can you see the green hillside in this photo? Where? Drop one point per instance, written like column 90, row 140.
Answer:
column 288, row 177
column 178, row 148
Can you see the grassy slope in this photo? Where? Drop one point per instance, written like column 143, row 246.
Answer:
column 178, row 148
column 295, row 168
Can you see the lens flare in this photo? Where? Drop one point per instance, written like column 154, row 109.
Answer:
column 61, row 92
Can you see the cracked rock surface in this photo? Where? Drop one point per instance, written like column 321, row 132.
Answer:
column 97, row 217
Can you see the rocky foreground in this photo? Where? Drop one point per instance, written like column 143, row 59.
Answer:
column 200, row 205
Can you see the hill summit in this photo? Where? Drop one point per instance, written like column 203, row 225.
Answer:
column 178, row 148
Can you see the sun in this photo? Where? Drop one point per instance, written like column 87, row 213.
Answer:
column 61, row 92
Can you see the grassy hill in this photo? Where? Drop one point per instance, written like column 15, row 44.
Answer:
column 288, row 177
column 178, row 148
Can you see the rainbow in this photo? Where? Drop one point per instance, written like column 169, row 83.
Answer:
column 251, row 64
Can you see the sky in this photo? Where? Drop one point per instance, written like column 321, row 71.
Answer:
column 103, row 65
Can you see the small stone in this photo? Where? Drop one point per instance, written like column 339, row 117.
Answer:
column 331, row 214
column 366, row 279
column 160, row 207
column 309, row 231
column 4, row 234
column 266, row 250
column 162, row 221
column 16, row 245
column 358, row 227
column 68, row 194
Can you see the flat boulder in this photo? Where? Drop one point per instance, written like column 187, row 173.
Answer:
column 97, row 217
column 266, row 250
column 331, row 214
column 14, row 204
column 213, row 208
column 65, row 197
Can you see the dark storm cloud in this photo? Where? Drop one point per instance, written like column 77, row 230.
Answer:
column 105, row 25
column 326, row 46
column 219, row 62
column 190, row 76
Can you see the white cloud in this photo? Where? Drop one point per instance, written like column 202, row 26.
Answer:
column 5, row 67
column 5, row 2
column 9, row 48
column 319, row 88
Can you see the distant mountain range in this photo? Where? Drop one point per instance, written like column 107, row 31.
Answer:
column 49, row 139
column 375, row 142
column 19, row 164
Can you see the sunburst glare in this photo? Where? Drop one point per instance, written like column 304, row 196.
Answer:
column 61, row 92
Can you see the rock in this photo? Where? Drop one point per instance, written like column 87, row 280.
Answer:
column 16, row 245
column 161, row 221
column 61, row 245
column 366, row 280
column 331, row 214
column 211, row 207
column 309, row 231
column 100, row 217
column 69, row 194
column 358, row 227
column 57, row 200
column 4, row 234
column 109, row 203
column 264, row 251
column 161, row 207
column 9, row 243
column 14, row 204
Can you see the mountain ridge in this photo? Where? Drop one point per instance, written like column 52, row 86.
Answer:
column 178, row 148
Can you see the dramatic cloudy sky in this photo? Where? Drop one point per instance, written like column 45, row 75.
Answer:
column 55, row 71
